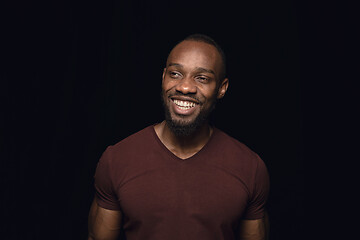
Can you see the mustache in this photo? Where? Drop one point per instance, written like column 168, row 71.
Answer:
column 188, row 95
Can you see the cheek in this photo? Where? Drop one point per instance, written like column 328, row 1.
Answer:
column 167, row 85
column 209, row 92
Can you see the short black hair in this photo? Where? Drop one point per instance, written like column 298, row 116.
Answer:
column 206, row 39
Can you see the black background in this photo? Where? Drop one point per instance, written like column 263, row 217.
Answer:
column 79, row 76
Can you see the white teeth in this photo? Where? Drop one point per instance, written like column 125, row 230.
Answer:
column 184, row 104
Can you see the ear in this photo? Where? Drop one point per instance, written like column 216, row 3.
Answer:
column 223, row 88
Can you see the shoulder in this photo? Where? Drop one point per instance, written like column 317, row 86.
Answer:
column 235, row 156
column 140, row 136
column 240, row 161
column 135, row 141
column 120, row 159
column 231, row 146
column 134, row 144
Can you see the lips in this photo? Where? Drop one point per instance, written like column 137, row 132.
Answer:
column 184, row 106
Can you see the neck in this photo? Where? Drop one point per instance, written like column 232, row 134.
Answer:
column 184, row 146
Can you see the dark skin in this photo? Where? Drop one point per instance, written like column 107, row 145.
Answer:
column 192, row 68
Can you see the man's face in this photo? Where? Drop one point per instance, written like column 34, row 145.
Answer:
column 191, row 85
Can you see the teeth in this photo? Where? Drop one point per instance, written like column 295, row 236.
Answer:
column 184, row 104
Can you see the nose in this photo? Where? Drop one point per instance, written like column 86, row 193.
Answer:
column 186, row 86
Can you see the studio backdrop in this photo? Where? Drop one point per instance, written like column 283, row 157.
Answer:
column 78, row 76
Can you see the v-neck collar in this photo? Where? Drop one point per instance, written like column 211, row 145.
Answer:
column 172, row 155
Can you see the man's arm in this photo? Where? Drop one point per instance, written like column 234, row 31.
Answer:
column 104, row 224
column 254, row 229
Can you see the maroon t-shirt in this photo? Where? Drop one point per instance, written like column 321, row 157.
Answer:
column 165, row 197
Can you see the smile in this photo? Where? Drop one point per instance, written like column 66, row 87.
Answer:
column 184, row 104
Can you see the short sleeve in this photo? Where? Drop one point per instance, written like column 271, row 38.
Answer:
column 104, row 190
column 260, row 192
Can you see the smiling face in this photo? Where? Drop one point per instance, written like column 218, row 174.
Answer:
column 191, row 85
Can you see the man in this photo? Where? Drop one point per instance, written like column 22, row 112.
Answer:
column 182, row 178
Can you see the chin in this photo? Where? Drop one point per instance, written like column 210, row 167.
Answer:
column 183, row 120
column 181, row 130
column 184, row 126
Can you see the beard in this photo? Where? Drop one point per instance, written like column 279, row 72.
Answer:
column 181, row 127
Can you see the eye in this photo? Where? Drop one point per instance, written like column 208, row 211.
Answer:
column 174, row 74
column 202, row 78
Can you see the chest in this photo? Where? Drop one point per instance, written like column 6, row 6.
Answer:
column 182, row 192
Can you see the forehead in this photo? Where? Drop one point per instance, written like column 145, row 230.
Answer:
column 196, row 54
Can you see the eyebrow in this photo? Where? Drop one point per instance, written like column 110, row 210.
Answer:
column 176, row 65
column 199, row 69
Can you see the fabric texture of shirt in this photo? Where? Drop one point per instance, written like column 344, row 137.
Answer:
column 162, row 196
